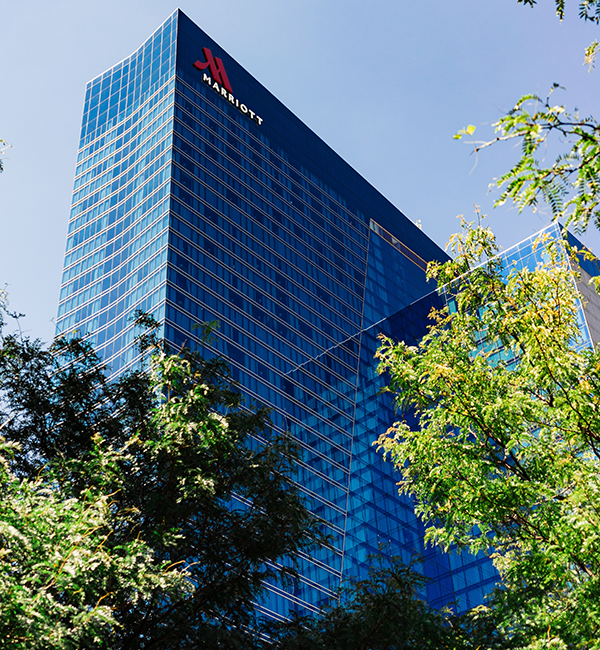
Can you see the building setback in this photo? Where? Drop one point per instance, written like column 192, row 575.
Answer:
column 198, row 196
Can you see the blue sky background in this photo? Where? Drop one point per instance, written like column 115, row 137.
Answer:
column 386, row 83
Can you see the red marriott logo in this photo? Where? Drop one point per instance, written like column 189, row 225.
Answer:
column 219, row 82
column 217, row 69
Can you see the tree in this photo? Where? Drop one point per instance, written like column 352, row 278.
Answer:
column 588, row 9
column 59, row 578
column 3, row 148
column 505, row 458
column 383, row 611
column 141, row 513
column 570, row 185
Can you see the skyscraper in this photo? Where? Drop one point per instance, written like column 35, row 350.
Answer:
column 198, row 196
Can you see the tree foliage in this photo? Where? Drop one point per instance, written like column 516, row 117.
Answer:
column 382, row 611
column 141, row 513
column 61, row 575
column 571, row 184
column 588, row 9
column 505, row 459
column 3, row 148
column 148, row 512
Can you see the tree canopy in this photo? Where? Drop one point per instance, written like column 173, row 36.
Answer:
column 141, row 513
column 588, row 9
column 570, row 185
column 381, row 611
column 505, row 458
column 148, row 512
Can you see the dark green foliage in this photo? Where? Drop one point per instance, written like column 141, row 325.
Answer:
column 382, row 612
column 161, row 484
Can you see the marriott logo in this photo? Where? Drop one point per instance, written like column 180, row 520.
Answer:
column 219, row 82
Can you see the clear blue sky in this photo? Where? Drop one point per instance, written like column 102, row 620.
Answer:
column 386, row 83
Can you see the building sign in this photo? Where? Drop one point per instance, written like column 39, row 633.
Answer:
column 219, row 82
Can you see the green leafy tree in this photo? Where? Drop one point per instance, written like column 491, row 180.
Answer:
column 505, row 459
column 383, row 611
column 59, row 576
column 141, row 513
column 570, row 185
column 3, row 148
column 588, row 9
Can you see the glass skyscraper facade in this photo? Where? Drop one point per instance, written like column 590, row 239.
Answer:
column 199, row 197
